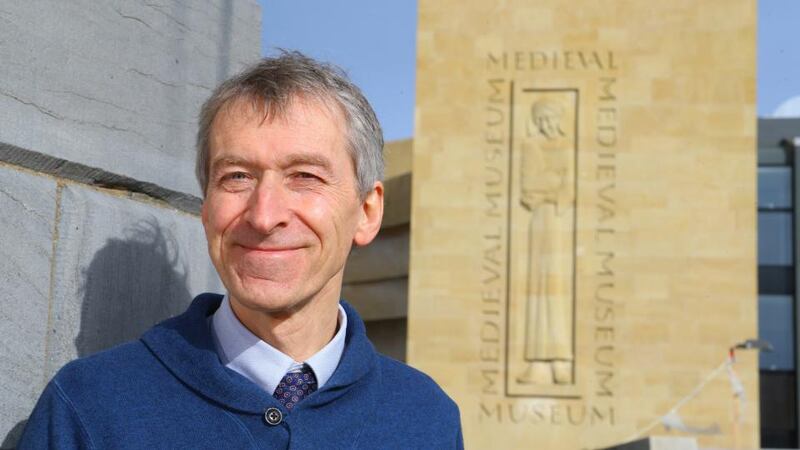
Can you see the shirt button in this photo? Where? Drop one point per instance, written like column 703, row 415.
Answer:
column 273, row 416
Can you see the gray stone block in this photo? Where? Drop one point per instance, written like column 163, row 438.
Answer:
column 121, row 265
column 117, row 85
column 28, row 206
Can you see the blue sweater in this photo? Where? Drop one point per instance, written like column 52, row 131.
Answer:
column 169, row 390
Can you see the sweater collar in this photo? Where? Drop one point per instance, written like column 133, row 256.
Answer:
column 184, row 344
column 243, row 352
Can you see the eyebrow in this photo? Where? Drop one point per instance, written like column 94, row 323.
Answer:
column 293, row 159
column 224, row 161
column 310, row 159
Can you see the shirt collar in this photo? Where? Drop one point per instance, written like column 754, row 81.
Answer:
column 243, row 352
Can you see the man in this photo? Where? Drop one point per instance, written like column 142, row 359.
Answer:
column 289, row 161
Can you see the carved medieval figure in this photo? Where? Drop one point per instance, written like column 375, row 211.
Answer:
column 547, row 195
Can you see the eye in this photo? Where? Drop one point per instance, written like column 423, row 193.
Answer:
column 235, row 181
column 306, row 176
column 235, row 176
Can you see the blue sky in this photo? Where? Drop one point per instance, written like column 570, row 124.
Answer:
column 778, row 53
column 375, row 42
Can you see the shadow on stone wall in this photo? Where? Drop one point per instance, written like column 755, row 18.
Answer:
column 130, row 285
column 13, row 436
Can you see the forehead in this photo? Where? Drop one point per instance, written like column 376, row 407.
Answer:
column 319, row 115
column 245, row 129
column 301, row 126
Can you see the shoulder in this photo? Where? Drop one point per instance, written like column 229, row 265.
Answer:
column 127, row 355
column 82, row 394
column 104, row 374
column 416, row 387
column 403, row 374
column 137, row 364
column 412, row 410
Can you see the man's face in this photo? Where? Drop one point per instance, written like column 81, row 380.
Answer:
column 282, row 209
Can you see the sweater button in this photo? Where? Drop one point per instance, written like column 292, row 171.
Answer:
column 273, row 416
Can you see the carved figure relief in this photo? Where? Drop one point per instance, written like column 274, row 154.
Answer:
column 547, row 202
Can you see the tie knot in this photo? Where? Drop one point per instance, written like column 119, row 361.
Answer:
column 295, row 386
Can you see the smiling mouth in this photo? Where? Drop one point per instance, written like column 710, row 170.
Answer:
column 270, row 250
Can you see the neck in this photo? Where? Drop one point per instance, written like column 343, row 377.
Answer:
column 298, row 333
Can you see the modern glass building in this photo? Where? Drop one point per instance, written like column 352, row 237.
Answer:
column 778, row 278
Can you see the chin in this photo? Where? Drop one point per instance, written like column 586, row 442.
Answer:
column 265, row 295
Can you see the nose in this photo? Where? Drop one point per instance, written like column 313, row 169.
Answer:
column 268, row 207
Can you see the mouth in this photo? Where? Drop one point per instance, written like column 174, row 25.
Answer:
column 270, row 250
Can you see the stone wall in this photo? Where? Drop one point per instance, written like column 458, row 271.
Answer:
column 100, row 233
column 583, row 225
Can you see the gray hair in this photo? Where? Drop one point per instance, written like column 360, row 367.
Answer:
column 273, row 83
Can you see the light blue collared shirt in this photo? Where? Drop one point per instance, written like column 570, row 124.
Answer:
column 243, row 352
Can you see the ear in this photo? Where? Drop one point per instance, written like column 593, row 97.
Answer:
column 371, row 215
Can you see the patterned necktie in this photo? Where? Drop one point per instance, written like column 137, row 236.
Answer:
column 295, row 386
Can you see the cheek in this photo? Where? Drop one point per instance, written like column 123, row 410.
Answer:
column 317, row 212
column 335, row 223
column 218, row 216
